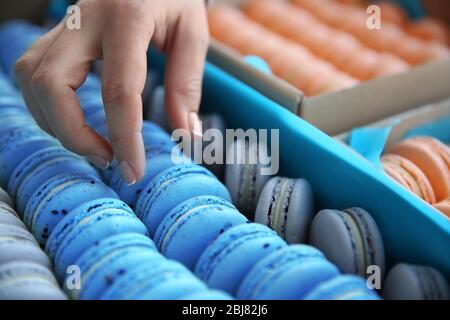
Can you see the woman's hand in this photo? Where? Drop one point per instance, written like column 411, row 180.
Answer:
column 119, row 32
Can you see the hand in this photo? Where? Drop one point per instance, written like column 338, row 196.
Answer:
column 119, row 32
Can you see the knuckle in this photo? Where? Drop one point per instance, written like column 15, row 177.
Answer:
column 23, row 68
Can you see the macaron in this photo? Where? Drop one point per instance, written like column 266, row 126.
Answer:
column 16, row 145
column 444, row 207
column 12, row 232
column 57, row 197
column 158, row 159
column 212, row 126
column 165, row 286
column 156, row 111
column 30, row 163
column 86, row 225
column 350, row 239
column 147, row 275
column 286, row 206
column 173, row 186
column 9, row 216
column 432, row 157
column 243, row 175
column 342, row 287
column 28, row 281
column 286, row 274
column 5, row 198
column 201, row 220
column 207, row 295
column 409, row 176
column 109, row 259
column 412, row 282
column 228, row 259
column 57, row 165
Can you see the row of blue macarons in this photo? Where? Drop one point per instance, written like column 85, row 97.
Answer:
column 184, row 208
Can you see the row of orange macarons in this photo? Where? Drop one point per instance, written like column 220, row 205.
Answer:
column 391, row 37
column 421, row 165
column 343, row 50
column 287, row 59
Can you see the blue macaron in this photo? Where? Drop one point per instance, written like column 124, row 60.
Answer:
column 57, row 197
column 144, row 277
column 207, row 295
column 86, row 225
column 201, row 220
column 173, row 186
column 158, row 159
column 287, row 274
column 30, row 163
column 228, row 259
column 64, row 164
column 343, row 287
column 16, row 145
column 109, row 259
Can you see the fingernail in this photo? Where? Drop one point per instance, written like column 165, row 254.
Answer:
column 128, row 173
column 99, row 162
column 194, row 124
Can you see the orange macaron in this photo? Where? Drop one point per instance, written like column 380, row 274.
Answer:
column 444, row 207
column 409, row 176
column 431, row 157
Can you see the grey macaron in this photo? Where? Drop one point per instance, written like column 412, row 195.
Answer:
column 412, row 282
column 350, row 239
column 286, row 206
column 28, row 281
column 243, row 175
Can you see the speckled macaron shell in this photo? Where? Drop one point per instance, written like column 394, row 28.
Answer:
column 173, row 186
column 57, row 197
column 32, row 162
column 286, row 206
column 412, row 282
column 28, row 281
column 199, row 219
column 47, row 170
column 207, row 295
column 5, row 198
column 229, row 258
column 75, row 216
column 106, row 259
column 244, row 180
column 342, row 287
column 22, row 250
column 136, row 278
column 18, row 145
column 92, row 227
column 286, row 274
column 350, row 239
column 100, row 276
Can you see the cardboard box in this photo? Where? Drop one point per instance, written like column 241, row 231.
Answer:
column 413, row 231
column 404, row 122
column 338, row 112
